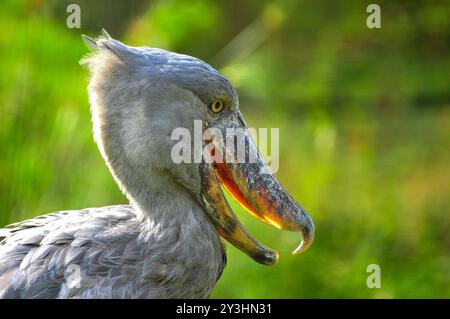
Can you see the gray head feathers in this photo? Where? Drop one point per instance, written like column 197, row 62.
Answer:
column 156, row 64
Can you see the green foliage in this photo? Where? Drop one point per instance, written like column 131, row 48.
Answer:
column 364, row 118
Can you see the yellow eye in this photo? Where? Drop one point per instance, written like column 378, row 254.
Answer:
column 216, row 106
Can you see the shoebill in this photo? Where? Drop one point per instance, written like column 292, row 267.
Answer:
column 167, row 242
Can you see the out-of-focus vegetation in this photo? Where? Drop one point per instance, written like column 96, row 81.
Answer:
column 364, row 118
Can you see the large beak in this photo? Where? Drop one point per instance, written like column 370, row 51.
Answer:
column 251, row 183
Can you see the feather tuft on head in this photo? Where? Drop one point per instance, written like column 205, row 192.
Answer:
column 102, row 48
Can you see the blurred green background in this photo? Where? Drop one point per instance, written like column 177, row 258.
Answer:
column 364, row 118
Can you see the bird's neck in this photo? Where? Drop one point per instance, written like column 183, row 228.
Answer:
column 174, row 229
column 162, row 201
column 163, row 204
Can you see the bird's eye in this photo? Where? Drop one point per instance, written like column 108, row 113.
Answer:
column 216, row 106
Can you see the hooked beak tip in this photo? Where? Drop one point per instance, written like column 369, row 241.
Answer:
column 307, row 237
column 304, row 245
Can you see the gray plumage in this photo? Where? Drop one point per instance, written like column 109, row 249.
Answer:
column 161, row 246
column 118, row 257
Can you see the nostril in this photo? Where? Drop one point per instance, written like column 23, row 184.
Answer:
column 241, row 120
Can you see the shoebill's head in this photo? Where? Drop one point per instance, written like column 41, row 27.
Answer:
column 140, row 96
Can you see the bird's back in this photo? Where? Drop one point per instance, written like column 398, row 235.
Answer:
column 92, row 253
